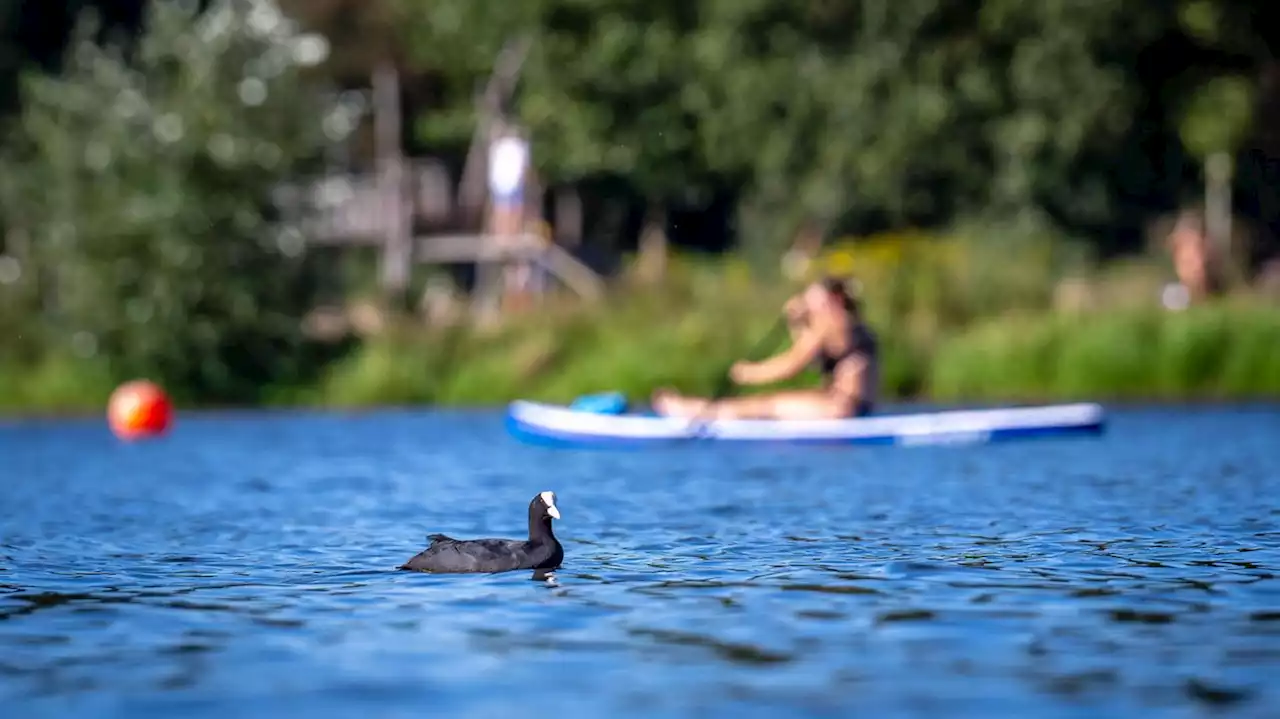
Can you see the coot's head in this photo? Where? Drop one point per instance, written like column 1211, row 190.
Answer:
column 543, row 507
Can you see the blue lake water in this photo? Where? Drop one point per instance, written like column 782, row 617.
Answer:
column 244, row 567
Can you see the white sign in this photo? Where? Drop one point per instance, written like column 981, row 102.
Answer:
column 508, row 158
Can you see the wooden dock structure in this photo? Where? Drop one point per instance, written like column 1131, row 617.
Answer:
column 388, row 208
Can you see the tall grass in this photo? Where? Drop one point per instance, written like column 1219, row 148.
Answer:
column 58, row 384
column 945, row 336
column 1222, row 351
column 959, row 321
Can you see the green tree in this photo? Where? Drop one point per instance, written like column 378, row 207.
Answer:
column 145, row 185
column 603, row 87
column 856, row 114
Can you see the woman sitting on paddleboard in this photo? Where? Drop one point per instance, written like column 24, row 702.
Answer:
column 826, row 330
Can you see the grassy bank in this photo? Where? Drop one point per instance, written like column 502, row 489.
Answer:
column 1223, row 351
column 1213, row 352
column 941, row 309
column 57, row 385
column 685, row 334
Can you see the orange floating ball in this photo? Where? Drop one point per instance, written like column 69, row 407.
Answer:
column 139, row 409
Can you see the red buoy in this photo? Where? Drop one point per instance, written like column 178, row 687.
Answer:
column 139, row 409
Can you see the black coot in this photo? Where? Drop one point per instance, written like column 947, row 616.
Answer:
column 540, row 551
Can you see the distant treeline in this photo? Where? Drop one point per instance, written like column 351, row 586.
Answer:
column 745, row 119
column 135, row 179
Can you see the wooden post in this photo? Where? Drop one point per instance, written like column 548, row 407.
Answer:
column 1218, row 171
column 652, row 260
column 502, row 80
column 568, row 216
column 397, row 252
column 529, row 272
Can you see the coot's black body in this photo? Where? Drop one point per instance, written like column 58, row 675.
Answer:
column 540, row 551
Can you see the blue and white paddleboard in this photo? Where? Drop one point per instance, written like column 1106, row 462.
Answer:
column 605, row 420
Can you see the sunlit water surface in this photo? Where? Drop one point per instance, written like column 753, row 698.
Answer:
column 245, row 567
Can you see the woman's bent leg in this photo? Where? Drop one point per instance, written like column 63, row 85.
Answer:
column 794, row 405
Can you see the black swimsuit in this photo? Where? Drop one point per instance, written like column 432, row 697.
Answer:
column 862, row 341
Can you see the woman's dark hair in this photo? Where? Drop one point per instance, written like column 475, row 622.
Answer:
column 840, row 289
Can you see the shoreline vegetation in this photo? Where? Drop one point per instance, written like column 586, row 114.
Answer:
column 947, row 339
column 161, row 229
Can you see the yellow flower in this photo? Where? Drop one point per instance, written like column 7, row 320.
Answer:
column 840, row 263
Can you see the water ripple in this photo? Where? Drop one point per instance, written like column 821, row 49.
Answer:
column 246, row 565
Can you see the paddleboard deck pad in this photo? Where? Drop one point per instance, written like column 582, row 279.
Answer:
column 605, row 420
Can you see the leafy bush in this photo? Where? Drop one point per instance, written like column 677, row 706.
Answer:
column 144, row 177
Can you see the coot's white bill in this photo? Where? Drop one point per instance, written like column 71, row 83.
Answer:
column 549, row 499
